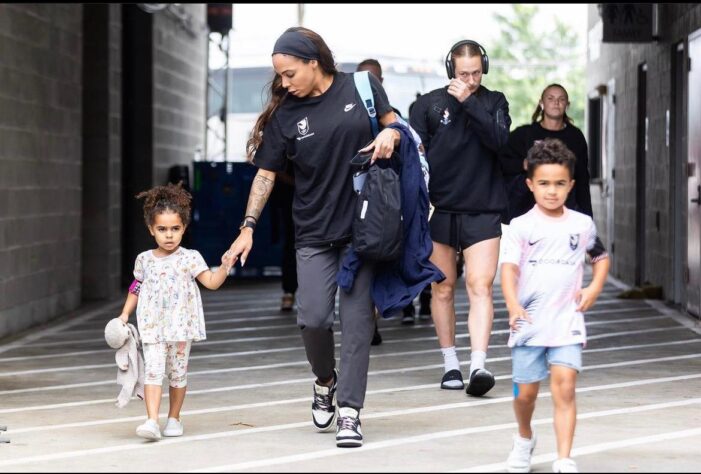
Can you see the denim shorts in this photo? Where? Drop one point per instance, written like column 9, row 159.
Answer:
column 530, row 363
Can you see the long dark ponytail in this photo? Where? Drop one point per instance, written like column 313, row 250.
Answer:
column 277, row 93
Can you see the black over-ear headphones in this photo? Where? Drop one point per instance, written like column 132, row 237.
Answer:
column 449, row 68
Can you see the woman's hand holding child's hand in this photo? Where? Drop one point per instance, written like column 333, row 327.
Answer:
column 227, row 260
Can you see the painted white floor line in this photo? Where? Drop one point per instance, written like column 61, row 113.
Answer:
column 297, row 347
column 309, row 380
column 291, row 319
column 207, row 356
column 230, row 408
column 336, row 451
column 592, row 449
column 337, row 333
column 111, row 381
column 430, row 437
column 288, row 364
column 383, row 330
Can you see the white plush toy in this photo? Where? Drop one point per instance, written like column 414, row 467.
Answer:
column 130, row 362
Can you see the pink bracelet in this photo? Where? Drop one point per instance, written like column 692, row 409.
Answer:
column 135, row 287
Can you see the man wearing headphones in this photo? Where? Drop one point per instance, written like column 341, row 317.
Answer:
column 462, row 126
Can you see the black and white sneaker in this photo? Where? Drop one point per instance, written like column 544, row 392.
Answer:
column 348, row 433
column 481, row 381
column 324, row 405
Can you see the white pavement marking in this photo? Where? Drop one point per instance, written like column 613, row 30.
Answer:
column 263, row 351
column 384, row 330
column 336, row 451
column 593, row 448
column 338, row 333
column 308, row 380
column 292, row 319
column 429, row 437
column 408, row 369
column 204, row 356
column 229, row 408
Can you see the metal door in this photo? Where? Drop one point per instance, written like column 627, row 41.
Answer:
column 693, row 301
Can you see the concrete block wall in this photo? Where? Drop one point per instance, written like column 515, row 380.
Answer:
column 179, row 89
column 620, row 61
column 40, row 162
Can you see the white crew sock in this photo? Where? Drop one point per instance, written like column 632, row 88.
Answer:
column 477, row 359
column 450, row 358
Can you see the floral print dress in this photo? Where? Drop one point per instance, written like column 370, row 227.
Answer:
column 170, row 306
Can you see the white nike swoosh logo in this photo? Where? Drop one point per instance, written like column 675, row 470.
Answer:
column 348, row 107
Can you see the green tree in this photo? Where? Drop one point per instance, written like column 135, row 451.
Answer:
column 523, row 60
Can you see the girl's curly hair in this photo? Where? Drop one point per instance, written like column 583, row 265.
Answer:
column 160, row 199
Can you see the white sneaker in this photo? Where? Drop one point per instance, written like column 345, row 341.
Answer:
column 149, row 430
column 565, row 465
column 324, row 405
column 348, row 433
column 173, row 428
column 519, row 459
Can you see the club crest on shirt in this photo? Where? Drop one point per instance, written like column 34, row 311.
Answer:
column 303, row 126
column 574, row 241
column 303, row 129
column 446, row 117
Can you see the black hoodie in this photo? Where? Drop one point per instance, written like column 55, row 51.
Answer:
column 462, row 141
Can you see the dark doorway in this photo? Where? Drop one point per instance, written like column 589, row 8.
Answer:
column 640, row 158
column 594, row 132
column 677, row 153
column 137, row 127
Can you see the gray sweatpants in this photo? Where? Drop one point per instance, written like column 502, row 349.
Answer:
column 316, row 272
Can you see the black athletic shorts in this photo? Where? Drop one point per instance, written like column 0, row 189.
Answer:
column 460, row 231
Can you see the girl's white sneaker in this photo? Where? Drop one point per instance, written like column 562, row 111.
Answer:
column 173, row 428
column 565, row 465
column 149, row 430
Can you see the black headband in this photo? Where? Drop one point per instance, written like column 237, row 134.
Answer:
column 296, row 44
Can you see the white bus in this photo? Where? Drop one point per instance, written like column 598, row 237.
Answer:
column 248, row 88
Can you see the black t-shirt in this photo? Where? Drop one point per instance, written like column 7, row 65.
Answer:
column 514, row 152
column 320, row 135
column 461, row 142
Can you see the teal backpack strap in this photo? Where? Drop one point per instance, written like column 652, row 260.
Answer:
column 362, row 84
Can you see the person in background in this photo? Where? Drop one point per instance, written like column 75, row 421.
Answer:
column 550, row 120
column 281, row 205
column 462, row 126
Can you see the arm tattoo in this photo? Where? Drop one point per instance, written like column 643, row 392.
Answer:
column 260, row 192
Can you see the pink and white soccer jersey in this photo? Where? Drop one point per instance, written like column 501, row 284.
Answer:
column 550, row 253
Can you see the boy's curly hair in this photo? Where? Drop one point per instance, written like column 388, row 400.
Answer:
column 160, row 199
column 549, row 151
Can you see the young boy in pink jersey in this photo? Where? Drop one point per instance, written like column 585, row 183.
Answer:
column 544, row 252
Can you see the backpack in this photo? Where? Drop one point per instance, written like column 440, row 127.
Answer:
column 378, row 230
column 377, row 224
column 362, row 85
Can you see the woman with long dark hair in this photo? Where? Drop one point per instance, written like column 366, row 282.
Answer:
column 316, row 119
